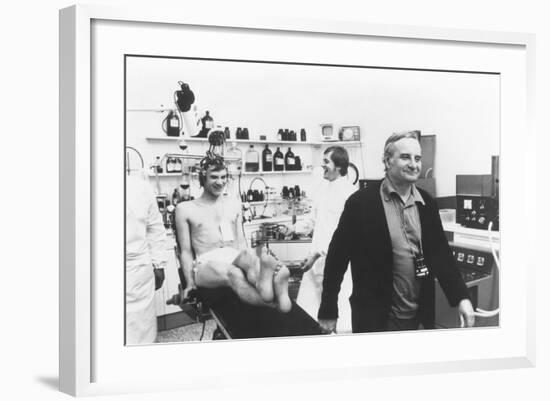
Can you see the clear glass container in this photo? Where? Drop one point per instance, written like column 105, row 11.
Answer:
column 252, row 160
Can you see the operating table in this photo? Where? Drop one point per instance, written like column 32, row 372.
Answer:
column 238, row 320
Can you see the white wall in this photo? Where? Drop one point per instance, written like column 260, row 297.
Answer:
column 461, row 109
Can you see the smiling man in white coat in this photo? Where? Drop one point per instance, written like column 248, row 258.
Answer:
column 146, row 258
column 327, row 208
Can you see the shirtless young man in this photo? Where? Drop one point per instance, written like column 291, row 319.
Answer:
column 213, row 249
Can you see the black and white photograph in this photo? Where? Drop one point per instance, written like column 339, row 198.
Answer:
column 264, row 200
column 270, row 198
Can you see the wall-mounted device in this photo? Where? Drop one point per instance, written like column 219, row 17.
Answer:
column 350, row 133
column 327, row 133
column 477, row 202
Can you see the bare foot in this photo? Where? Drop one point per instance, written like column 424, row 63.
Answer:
column 268, row 264
column 280, row 285
column 248, row 263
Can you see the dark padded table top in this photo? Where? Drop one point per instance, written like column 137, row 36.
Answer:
column 241, row 320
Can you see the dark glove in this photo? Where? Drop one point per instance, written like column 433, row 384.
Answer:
column 159, row 278
column 185, row 97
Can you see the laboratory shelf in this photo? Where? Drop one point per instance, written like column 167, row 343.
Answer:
column 341, row 143
column 269, row 201
column 253, row 142
column 151, row 110
column 164, row 138
column 166, row 175
column 276, row 172
column 266, row 142
column 286, row 241
column 244, row 174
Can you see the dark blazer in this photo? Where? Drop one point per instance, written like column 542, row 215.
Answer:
column 362, row 238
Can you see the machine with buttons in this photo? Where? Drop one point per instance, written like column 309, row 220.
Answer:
column 477, row 198
column 477, row 267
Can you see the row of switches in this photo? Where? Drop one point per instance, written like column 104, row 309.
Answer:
column 470, row 259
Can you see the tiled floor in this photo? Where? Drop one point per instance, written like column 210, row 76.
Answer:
column 190, row 332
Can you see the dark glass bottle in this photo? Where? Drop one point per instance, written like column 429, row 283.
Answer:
column 290, row 161
column 256, row 195
column 250, row 196
column 173, row 124
column 278, row 160
column 226, row 133
column 280, row 134
column 303, row 135
column 239, row 134
column 285, row 192
column 175, row 197
column 267, row 159
column 292, row 135
column 245, row 133
column 297, row 192
column 159, row 165
column 286, row 135
column 207, row 125
column 298, row 163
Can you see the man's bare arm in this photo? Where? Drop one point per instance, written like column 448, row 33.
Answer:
column 241, row 240
column 183, row 230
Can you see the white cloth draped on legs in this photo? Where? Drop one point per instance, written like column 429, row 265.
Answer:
column 224, row 254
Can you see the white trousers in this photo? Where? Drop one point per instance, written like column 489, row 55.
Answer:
column 141, row 317
column 309, row 295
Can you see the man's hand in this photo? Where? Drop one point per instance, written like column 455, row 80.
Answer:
column 328, row 325
column 181, row 298
column 308, row 263
column 466, row 312
column 159, row 278
column 185, row 295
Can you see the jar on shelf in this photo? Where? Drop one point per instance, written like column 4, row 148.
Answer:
column 252, row 160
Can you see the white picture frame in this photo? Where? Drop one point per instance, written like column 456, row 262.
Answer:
column 84, row 355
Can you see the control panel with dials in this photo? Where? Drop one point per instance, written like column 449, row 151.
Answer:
column 477, row 267
column 473, row 263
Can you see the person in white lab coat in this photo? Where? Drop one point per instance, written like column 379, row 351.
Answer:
column 146, row 258
column 327, row 208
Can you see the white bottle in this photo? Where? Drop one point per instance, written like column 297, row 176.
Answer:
column 252, row 160
column 234, row 158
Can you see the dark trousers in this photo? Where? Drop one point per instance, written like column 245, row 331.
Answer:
column 396, row 324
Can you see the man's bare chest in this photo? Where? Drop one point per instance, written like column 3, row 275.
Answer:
column 211, row 218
